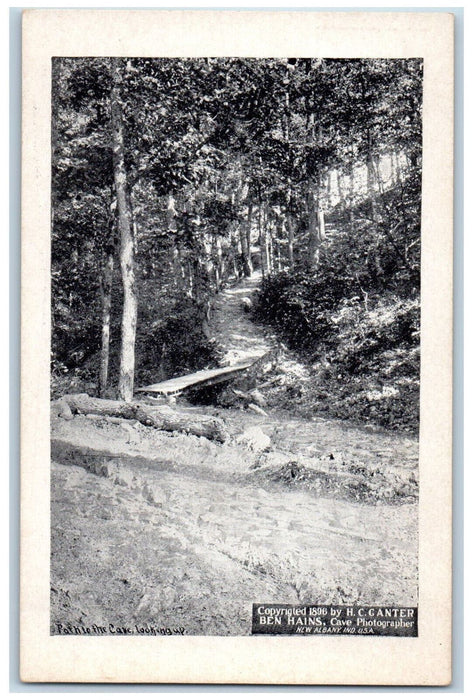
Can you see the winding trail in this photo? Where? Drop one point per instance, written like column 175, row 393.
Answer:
column 242, row 338
column 231, row 326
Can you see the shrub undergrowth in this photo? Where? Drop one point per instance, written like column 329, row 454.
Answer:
column 354, row 319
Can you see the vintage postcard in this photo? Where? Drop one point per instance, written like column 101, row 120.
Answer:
column 236, row 347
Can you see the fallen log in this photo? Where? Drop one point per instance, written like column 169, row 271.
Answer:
column 159, row 417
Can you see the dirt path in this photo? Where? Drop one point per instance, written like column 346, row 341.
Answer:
column 185, row 534
column 242, row 338
column 193, row 536
column 232, row 327
column 196, row 561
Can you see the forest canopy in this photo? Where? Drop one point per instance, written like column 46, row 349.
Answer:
column 172, row 178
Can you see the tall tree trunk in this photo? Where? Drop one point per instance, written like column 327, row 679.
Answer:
column 290, row 229
column 316, row 222
column 202, row 274
column 266, row 239
column 398, row 167
column 352, row 183
column 218, row 262
column 351, row 195
column 340, row 190
column 372, row 187
column 235, row 256
column 277, row 245
column 106, row 288
column 321, row 223
column 313, row 242
column 371, row 177
column 329, row 189
column 245, row 240
column 125, row 228
column 392, row 169
column 190, row 279
column 106, row 282
column 178, row 266
column 377, row 172
column 271, row 232
column 290, row 239
column 248, row 238
column 260, row 241
column 263, row 241
column 171, row 214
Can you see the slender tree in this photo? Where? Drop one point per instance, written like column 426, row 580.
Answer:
column 127, row 243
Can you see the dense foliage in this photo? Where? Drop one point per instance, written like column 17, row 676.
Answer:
column 355, row 319
column 171, row 177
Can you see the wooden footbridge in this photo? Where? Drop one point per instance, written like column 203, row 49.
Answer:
column 205, row 377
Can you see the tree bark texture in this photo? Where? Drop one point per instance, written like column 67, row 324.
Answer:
column 171, row 214
column 290, row 239
column 219, row 263
column 316, row 223
column 125, row 227
column 263, row 240
column 277, row 246
column 371, row 177
column 245, row 239
column 107, row 280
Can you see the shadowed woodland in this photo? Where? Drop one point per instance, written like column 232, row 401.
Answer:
column 175, row 179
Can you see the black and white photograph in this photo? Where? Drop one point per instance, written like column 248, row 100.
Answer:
column 235, row 349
